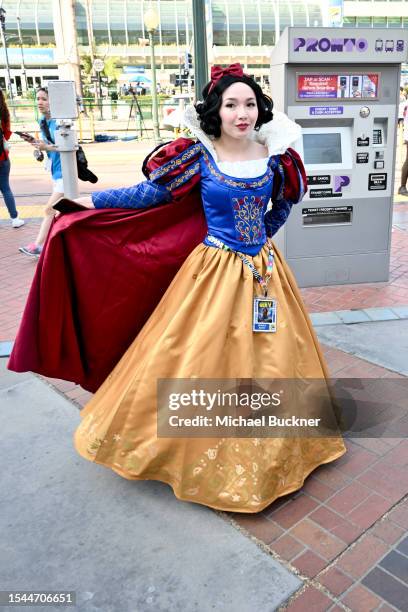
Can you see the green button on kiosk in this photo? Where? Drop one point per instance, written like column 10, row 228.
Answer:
column 341, row 85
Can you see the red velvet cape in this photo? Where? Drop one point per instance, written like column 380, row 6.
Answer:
column 101, row 274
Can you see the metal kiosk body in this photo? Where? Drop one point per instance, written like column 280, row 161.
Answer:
column 342, row 86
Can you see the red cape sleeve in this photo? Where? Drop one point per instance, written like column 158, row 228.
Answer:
column 293, row 175
column 100, row 276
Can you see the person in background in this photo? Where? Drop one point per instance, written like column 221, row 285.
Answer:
column 5, row 189
column 48, row 127
column 401, row 106
column 404, row 170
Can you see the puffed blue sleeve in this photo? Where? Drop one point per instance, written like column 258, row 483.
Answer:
column 290, row 185
column 142, row 195
column 277, row 216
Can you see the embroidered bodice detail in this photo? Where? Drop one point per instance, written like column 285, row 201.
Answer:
column 248, row 217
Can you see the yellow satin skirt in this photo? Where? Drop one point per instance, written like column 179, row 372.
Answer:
column 202, row 328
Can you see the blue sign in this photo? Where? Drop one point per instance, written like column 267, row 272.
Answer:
column 326, row 110
column 33, row 57
column 133, row 69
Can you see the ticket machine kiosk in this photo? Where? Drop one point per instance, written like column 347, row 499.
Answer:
column 342, row 86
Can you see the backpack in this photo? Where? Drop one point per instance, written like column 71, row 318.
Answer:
column 84, row 174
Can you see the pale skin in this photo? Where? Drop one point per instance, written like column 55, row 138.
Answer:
column 238, row 113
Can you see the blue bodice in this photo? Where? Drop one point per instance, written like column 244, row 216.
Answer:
column 235, row 207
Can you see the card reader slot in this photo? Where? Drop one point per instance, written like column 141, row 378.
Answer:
column 323, row 218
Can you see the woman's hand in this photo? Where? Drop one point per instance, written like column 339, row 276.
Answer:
column 85, row 201
column 43, row 146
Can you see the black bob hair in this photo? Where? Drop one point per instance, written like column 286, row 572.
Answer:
column 208, row 111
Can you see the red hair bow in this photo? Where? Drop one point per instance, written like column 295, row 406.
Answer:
column 217, row 72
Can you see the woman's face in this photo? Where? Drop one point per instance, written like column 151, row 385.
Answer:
column 42, row 102
column 238, row 111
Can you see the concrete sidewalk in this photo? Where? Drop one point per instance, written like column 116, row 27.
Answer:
column 123, row 546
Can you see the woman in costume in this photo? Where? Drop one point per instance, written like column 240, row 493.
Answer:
column 202, row 328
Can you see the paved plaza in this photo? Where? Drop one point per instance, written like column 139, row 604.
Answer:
column 340, row 543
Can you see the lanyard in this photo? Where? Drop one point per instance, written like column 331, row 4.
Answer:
column 262, row 280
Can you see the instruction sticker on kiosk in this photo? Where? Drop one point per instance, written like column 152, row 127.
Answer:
column 336, row 87
column 377, row 182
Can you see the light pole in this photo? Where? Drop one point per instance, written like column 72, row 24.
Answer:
column 200, row 47
column 151, row 21
column 3, row 40
column 20, row 40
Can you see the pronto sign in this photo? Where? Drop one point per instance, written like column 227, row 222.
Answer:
column 334, row 45
column 327, row 44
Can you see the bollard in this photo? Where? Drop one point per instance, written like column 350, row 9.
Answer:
column 67, row 143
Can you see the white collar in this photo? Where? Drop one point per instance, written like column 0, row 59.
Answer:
column 277, row 135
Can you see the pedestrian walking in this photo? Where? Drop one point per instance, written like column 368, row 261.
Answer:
column 5, row 133
column 53, row 165
column 208, row 324
column 404, row 170
column 401, row 106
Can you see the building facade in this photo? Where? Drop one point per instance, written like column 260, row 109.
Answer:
column 43, row 35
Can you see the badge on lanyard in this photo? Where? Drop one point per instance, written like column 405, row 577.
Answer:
column 264, row 319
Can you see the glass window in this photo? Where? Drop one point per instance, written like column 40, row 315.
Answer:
column 285, row 15
column 299, row 13
column 219, row 21
column 252, row 23
column 394, row 22
column 117, row 21
column 100, row 21
column 183, row 21
column 168, row 22
column 363, row 22
column 268, row 23
column 45, row 23
column 379, row 22
column 27, row 21
column 134, row 21
column 235, row 22
column 315, row 14
column 81, row 25
column 349, row 21
column 11, row 21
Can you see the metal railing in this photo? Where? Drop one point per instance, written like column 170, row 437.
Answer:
column 125, row 118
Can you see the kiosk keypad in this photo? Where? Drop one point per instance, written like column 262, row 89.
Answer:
column 377, row 137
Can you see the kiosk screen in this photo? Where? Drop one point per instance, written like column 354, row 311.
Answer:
column 322, row 148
